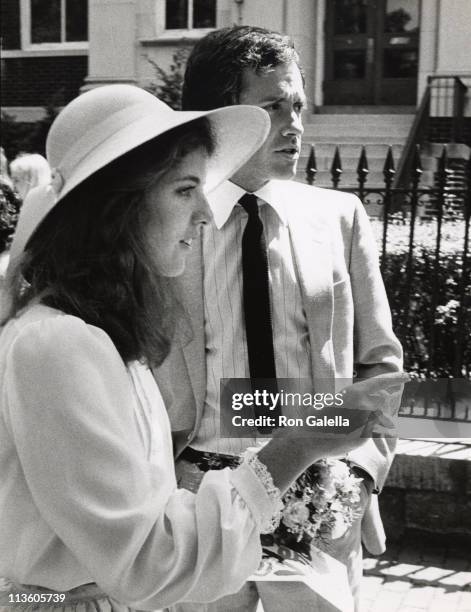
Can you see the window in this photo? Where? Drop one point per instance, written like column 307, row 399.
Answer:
column 54, row 22
column 190, row 14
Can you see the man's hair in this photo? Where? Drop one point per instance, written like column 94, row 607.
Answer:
column 213, row 75
column 91, row 256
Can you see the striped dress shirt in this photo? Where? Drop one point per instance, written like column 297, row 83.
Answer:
column 225, row 337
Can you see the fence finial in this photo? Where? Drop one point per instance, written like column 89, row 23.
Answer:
column 362, row 168
column 417, row 165
column 336, row 168
column 389, row 170
column 443, row 161
column 362, row 172
column 311, row 166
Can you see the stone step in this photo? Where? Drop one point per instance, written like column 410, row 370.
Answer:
column 374, row 120
column 396, row 110
column 368, row 139
column 455, row 150
column 350, row 132
column 359, row 132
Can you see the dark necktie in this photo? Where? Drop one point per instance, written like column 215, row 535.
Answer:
column 256, row 293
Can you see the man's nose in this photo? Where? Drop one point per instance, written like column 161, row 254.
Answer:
column 294, row 124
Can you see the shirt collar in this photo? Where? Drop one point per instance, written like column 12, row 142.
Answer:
column 223, row 199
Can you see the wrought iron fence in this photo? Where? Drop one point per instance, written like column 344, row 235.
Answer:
column 443, row 399
column 423, row 237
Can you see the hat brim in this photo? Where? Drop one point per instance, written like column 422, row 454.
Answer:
column 239, row 132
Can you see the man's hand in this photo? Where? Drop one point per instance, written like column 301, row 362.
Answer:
column 365, row 405
column 374, row 401
column 376, row 393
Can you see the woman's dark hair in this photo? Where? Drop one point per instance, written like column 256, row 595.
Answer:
column 214, row 71
column 90, row 258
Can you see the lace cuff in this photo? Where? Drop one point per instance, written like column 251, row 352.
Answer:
column 250, row 459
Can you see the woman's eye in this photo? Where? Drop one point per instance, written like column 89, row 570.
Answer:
column 274, row 106
column 186, row 191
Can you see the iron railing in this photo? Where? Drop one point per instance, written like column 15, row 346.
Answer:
column 445, row 399
column 443, row 101
column 447, row 100
column 424, row 258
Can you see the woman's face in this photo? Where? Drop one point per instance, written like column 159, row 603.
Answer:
column 177, row 207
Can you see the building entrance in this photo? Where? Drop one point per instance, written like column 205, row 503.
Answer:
column 372, row 51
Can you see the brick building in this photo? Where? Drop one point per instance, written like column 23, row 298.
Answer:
column 358, row 55
column 354, row 52
column 44, row 54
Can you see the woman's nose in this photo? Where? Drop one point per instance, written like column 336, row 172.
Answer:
column 202, row 213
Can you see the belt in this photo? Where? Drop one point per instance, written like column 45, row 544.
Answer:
column 206, row 460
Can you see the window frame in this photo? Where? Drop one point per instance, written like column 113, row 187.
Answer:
column 189, row 31
column 27, row 45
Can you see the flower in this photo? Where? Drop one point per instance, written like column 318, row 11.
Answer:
column 294, row 514
column 339, row 470
column 319, row 507
column 324, row 487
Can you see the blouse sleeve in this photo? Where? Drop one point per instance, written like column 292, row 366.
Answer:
column 145, row 542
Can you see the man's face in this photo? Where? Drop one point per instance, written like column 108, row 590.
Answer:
column 281, row 93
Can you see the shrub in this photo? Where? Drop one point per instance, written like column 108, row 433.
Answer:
column 9, row 208
column 412, row 309
column 22, row 137
column 170, row 83
column 15, row 136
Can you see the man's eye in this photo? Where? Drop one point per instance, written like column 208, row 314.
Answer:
column 274, row 106
column 299, row 107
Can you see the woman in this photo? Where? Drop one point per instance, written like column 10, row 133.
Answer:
column 89, row 505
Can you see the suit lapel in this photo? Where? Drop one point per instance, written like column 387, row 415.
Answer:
column 312, row 252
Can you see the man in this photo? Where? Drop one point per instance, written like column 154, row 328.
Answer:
column 329, row 311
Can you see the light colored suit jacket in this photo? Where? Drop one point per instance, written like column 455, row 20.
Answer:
column 347, row 315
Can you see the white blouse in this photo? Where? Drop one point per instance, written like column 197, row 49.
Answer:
column 87, row 483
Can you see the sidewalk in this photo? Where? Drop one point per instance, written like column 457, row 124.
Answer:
column 414, row 576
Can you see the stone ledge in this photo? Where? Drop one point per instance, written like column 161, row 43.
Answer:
column 432, row 465
column 428, row 489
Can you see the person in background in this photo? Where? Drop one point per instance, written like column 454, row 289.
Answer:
column 90, row 511
column 29, row 170
column 326, row 315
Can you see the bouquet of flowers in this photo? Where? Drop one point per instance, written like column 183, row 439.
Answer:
column 319, row 507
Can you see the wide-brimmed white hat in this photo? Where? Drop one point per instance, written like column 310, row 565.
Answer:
column 103, row 124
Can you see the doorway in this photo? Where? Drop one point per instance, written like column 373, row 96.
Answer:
column 372, row 52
